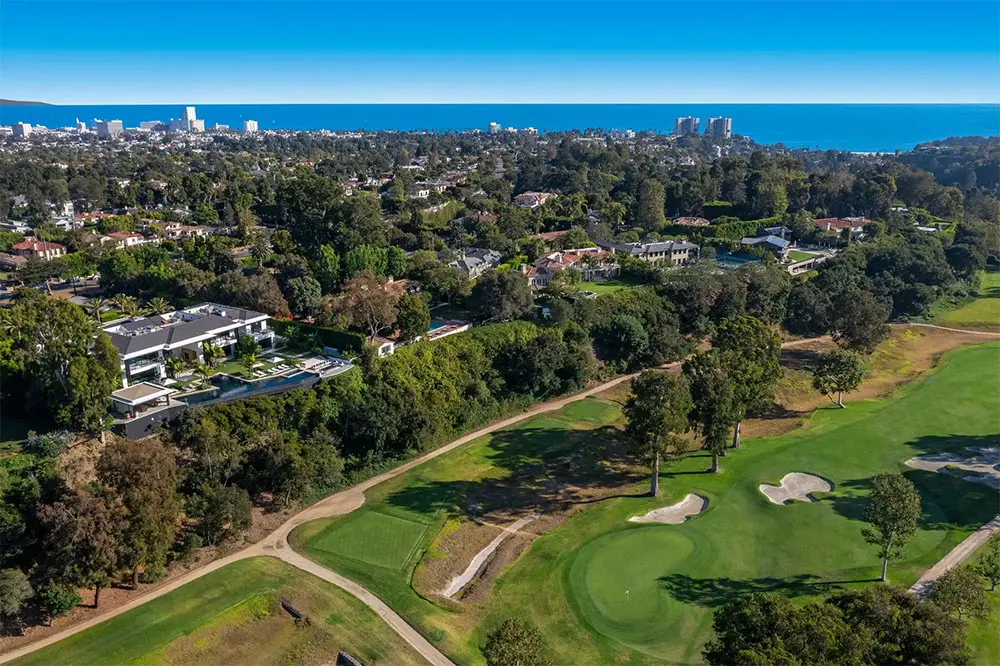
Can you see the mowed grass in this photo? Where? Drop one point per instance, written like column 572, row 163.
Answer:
column 603, row 590
column 619, row 593
column 374, row 538
column 431, row 494
column 983, row 311
column 984, row 633
column 232, row 616
column 799, row 255
column 604, row 287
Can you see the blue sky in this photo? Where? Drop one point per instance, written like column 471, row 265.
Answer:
column 517, row 51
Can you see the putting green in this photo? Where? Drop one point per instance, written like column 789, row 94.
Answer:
column 375, row 538
column 615, row 580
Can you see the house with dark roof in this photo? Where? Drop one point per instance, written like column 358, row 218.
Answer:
column 145, row 343
column 775, row 244
column 672, row 252
column 476, row 261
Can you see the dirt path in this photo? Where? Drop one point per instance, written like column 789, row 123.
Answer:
column 958, row 330
column 276, row 543
column 957, row 556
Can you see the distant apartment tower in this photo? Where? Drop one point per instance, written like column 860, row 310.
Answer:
column 81, row 126
column 686, row 126
column 719, row 127
column 197, row 125
column 189, row 116
column 110, row 128
column 249, row 126
column 150, row 124
column 494, row 128
column 21, row 130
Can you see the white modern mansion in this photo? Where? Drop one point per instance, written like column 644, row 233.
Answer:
column 145, row 343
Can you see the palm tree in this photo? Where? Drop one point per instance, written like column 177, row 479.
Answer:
column 260, row 249
column 159, row 305
column 213, row 353
column 203, row 371
column 174, row 365
column 128, row 305
column 249, row 361
column 95, row 307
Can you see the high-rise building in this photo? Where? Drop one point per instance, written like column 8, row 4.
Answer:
column 21, row 130
column 189, row 116
column 720, row 127
column 219, row 127
column 197, row 124
column 686, row 126
column 110, row 128
column 494, row 128
column 81, row 126
column 249, row 126
column 151, row 124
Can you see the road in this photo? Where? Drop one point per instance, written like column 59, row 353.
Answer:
column 350, row 499
column 956, row 556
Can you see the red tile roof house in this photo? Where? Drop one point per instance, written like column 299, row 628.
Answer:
column 597, row 266
column 30, row 247
column 126, row 238
column 837, row 224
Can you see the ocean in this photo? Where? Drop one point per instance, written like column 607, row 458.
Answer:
column 854, row 127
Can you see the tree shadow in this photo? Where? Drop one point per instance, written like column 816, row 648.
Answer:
column 714, row 592
column 948, row 501
column 543, row 470
column 800, row 358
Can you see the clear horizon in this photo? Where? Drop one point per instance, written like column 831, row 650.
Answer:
column 509, row 52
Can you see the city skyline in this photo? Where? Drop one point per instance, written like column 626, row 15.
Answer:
column 500, row 52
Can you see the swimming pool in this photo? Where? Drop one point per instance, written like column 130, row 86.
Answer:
column 227, row 386
column 436, row 324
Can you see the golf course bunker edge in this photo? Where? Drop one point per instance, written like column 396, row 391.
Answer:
column 675, row 514
column 795, row 486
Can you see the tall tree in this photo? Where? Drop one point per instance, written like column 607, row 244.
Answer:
column 15, row 590
column 60, row 367
column 892, row 513
column 961, row 591
column 714, row 409
column 326, row 268
column 413, row 316
column 989, row 563
column 82, row 534
column 514, row 643
column 501, row 296
column 839, row 371
column 748, row 350
column 368, row 304
column 859, row 320
column 657, row 413
column 303, row 294
column 652, row 205
column 143, row 474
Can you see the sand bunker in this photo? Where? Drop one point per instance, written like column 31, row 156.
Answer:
column 796, row 486
column 461, row 580
column 984, row 464
column 675, row 514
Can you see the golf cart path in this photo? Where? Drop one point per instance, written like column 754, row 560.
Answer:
column 958, row 330
column 276, row 545
column 956, row 556
column 350, row 499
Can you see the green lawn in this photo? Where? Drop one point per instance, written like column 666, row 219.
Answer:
column 981, row 311
column 984, row 633
column 373, row 538
column 603, row 590
column 799, row 255
column 604, row 287
column 232, row 616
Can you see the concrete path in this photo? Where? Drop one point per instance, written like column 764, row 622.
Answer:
column 276, row 543
column 957, row 556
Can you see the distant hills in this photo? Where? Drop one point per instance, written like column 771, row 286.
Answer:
column 18, row 102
